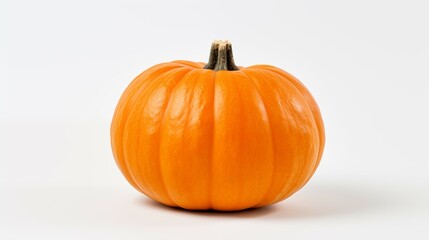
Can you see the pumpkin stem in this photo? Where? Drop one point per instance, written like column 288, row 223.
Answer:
column 221, row 57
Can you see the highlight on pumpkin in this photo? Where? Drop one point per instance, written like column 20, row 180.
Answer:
column 213, row 136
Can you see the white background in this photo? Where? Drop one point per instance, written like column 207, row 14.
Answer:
column 64, row 65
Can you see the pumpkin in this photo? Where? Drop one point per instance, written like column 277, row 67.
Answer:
column 217, row 136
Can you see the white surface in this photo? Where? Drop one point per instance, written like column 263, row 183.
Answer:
column 323, row 210
column 65, row 64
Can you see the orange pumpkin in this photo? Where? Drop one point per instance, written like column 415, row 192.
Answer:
column 215, row 136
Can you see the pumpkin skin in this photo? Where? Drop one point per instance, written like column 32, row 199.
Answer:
column 225, row 140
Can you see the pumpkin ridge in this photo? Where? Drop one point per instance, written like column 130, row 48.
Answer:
column 131, row 91
column 190, row 77
column 271, row 135
column 188, row 63
column 134, row 99
column 314, row 165
column 213, row 142
column 200, row 75
column 320, row 127
column 188, row 119
column 296, row 167
column 160, row 135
